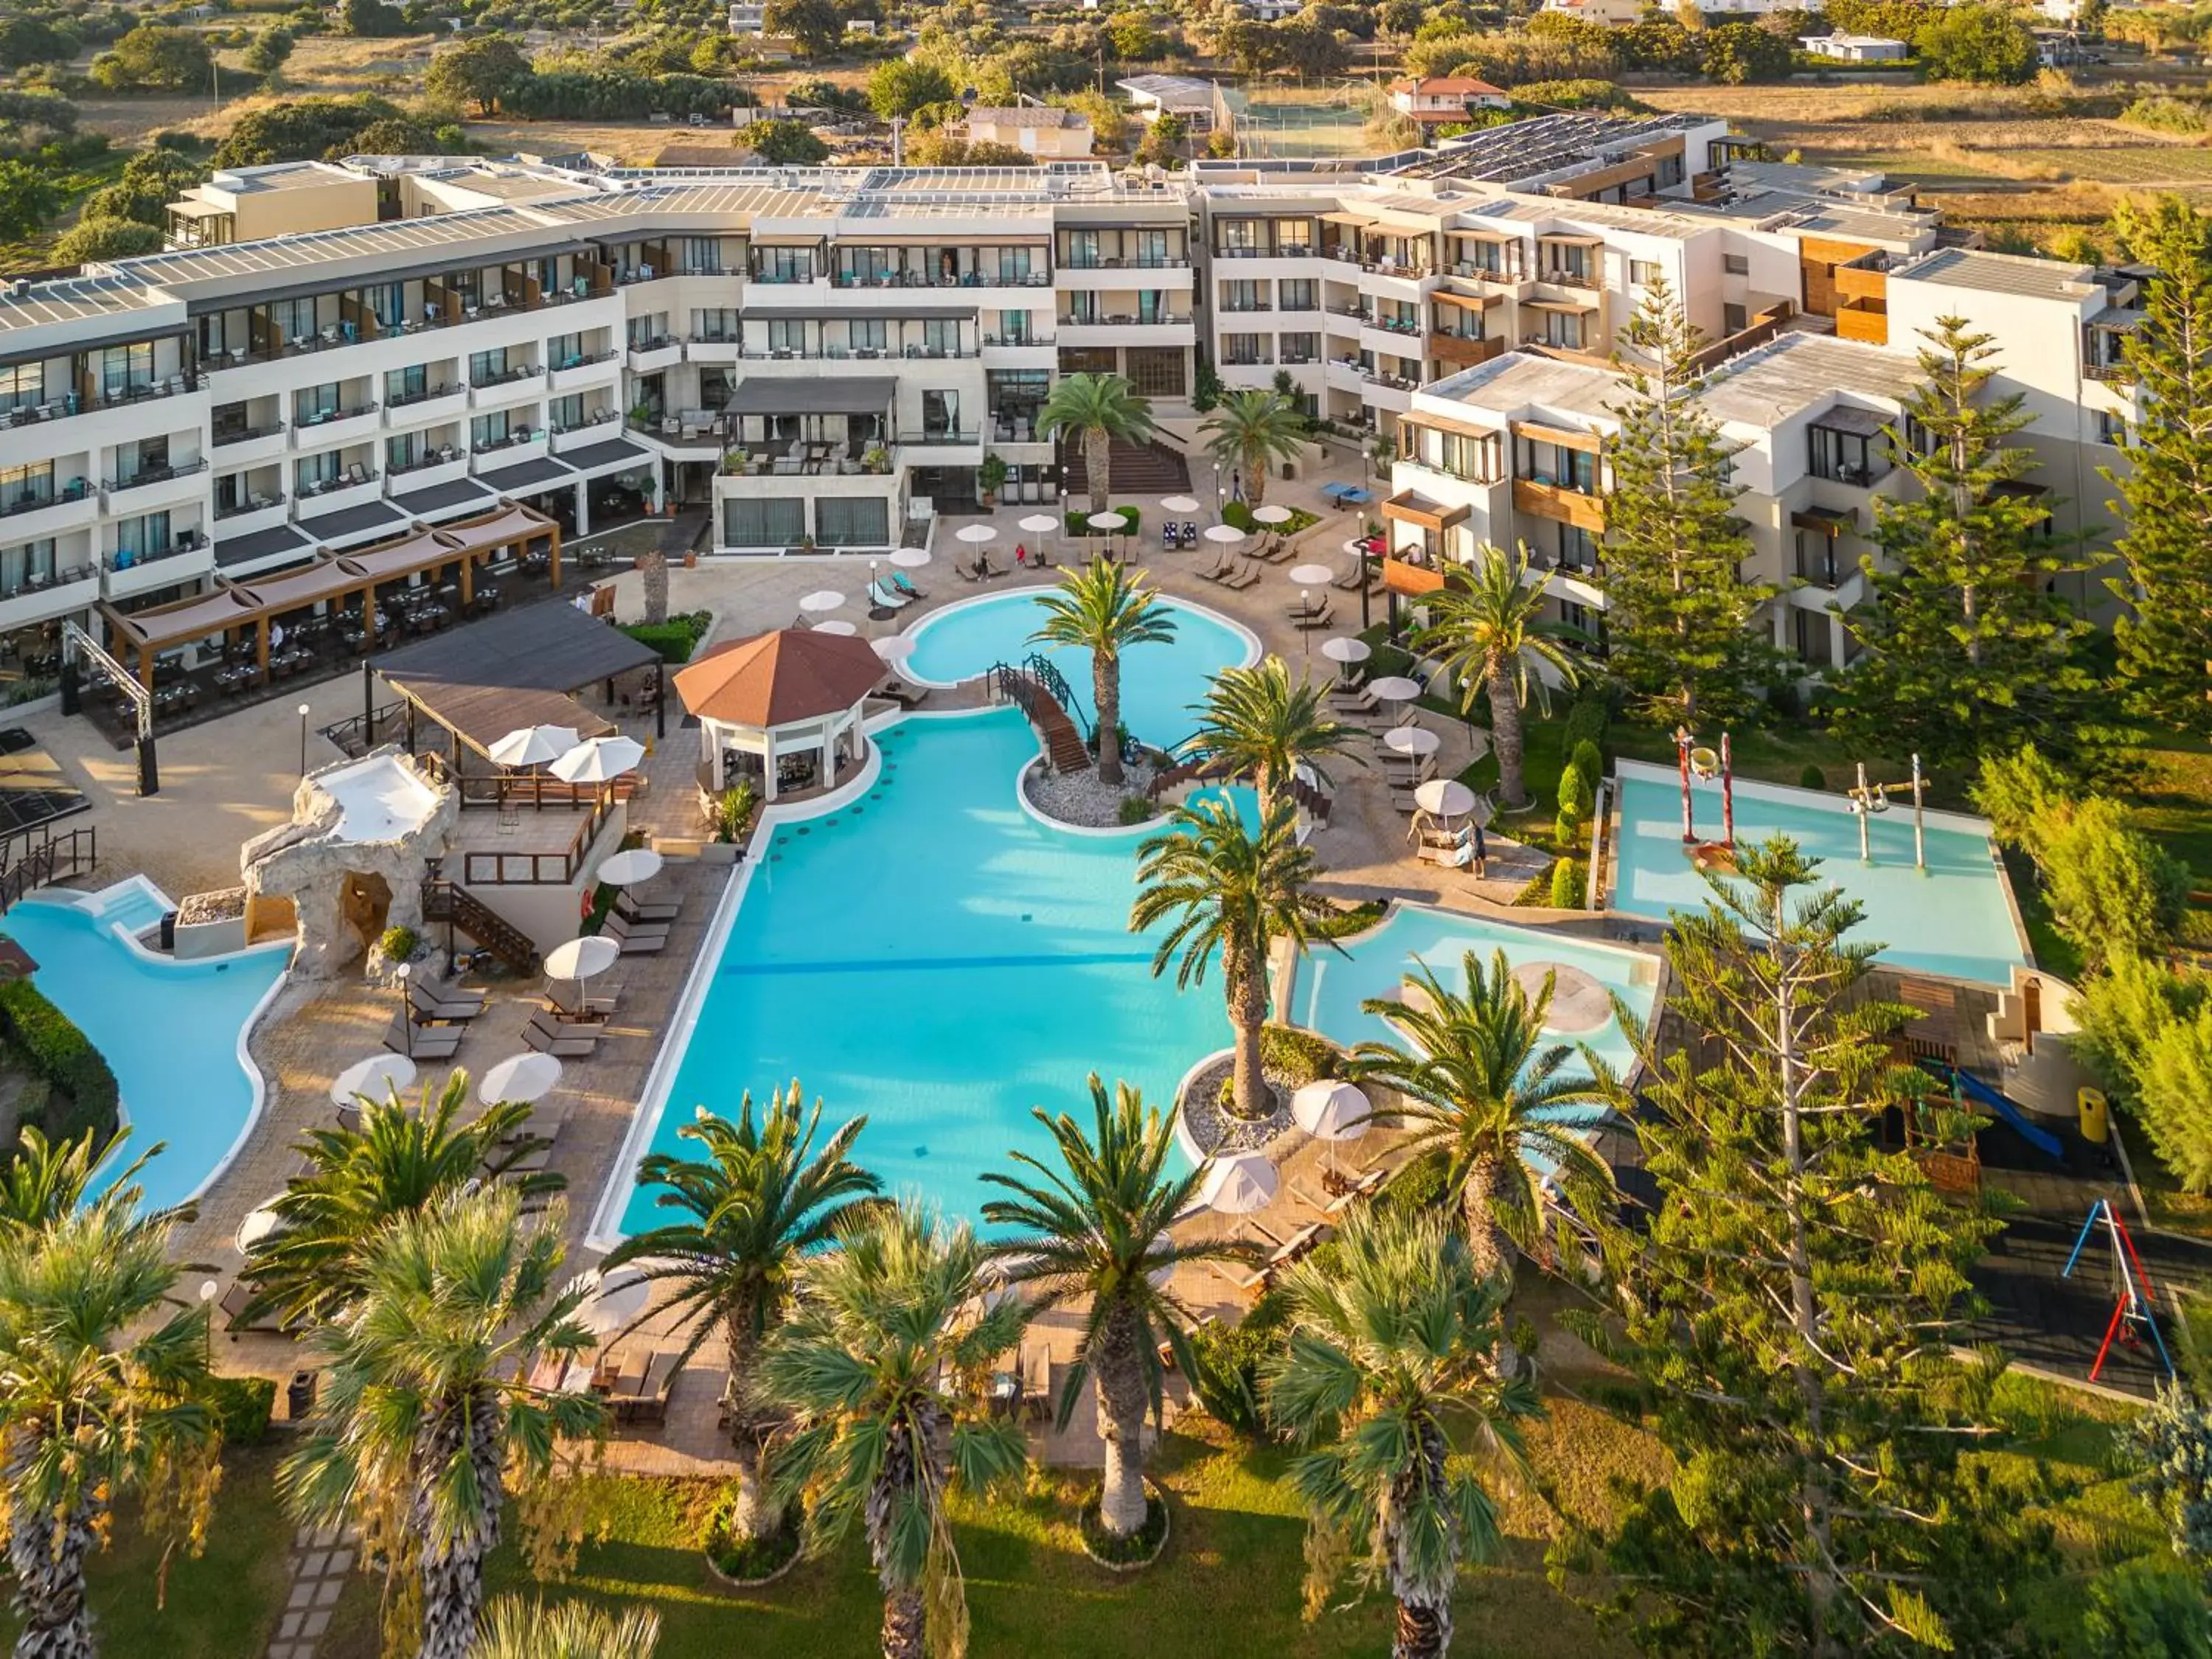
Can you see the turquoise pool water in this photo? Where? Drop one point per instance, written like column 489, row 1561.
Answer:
column 1159, row 683
column 1331, row 987
column 937, row 959
column 169, row 1030
column 1951, row 918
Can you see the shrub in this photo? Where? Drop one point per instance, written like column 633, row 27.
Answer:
column 1587, row 759
column 1239, row 514
column 1812, row 778
column 2113, row 890
column 57, row 1051
column 2024, row 796
column 1226, row 1379
column 1135, row 809
column 2146, row 1609
column 2147, row 1036
column 1298, row 1057
column 398, row 944
column 1567, row 884
column 1587, row 716
column 242, row 1406
column 1078, row 523
column 673, row 639
column 1577, row 796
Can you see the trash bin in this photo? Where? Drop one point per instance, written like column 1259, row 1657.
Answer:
column 169, row 930
column 299, row 1397
column 2096, row 1115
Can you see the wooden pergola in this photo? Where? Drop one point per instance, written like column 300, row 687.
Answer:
column 330, row 579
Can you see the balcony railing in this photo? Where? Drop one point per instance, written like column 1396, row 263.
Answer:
column 32, row 502
column 247, row 435
column 492, row 446
column 444, row 455
column 1294, row 251
column 154, row 474
column 1121, row 319
column 504, row 377
column 1018, row 339
column 41, row 581
column 2119, row 372
column 651, row 343
column 1396, row 325
column 1565, row 278
column 125, row 558
column 1141, row 261
column 933, row 280
column 404, row 399
column 794, row 354
column 307, row 423
column 1246, row 361
column 352, row 478
column 587, row 359
column 1243, row 307
column 250, row 504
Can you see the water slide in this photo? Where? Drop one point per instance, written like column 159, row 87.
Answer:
column 2000, row 1105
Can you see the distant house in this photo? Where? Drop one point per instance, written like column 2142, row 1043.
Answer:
column 1856, row 48
column 1272, row 11
column 748, row 17
column 1615, row 12
column 1152, row 96
column 1042, row 130
column 1440, row 99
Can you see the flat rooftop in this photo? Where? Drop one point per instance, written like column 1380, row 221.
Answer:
column 2001, row 273
column 1791, row 373
column 1512, row 382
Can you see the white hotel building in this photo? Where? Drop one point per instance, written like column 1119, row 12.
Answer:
column 824, row 357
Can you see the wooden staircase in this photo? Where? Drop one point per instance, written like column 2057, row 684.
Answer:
column 39, row 857
column 447, row 901
column 1065, row 750
column 1143, row 470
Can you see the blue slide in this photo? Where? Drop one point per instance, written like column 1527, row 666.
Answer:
column 2001, row 1105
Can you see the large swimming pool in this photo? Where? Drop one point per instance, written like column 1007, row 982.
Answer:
column 1160, row 683
column 173, row 1031
column 1953, row 918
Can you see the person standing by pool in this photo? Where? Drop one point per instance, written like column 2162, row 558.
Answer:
column 1482, row 851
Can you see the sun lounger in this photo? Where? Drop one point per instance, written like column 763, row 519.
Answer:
column 420, row 1041
column 638, row 909
column 887, row 597
column 236, row 1319
column 1035, row 1362
column 1305, row 622
column 429, row 1004
column 897, row 690
column 572, row 1041
column 1247, row 577
column 636, row 939
column 899, row 582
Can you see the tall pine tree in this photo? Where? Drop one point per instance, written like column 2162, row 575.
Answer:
column 1967, row 651
column 2165, row 488
column 1791, row 1313
column 1679, row 613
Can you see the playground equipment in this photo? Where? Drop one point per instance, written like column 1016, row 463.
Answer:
column 1966, row 1086
column 2131, row 1305
column 1868, row 799
column 1704, row 765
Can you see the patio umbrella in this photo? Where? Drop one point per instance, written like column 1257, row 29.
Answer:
column 259, row 1225
column 1310, row 575
column 821, row 600
column 1109, row 520
column 582, row 958
column 1447, row 797
column 836, row 625
column 1412, row 741
column 599, row 760
column 621, row 1297
column 893, row 647
column 630, row 866
column 1579, row 1003
column 519, row 1079
column 1227, row 534
column 1330, row 1111
column 375, row 1077
column 1271, row 514
column 976, row 534
column 1179, row 504
column 1396, row 688
column 1345, row 649
column 532, row 746
column 1239, row 1184
column 1038, row 524
column 910, row 558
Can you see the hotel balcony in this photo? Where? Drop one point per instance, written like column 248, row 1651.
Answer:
column 352, row 425
column 427, row 407
column 245, row 447
column 153, row 487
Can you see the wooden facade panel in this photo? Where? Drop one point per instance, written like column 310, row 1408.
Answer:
column 1868, row 327
column 1567, row 506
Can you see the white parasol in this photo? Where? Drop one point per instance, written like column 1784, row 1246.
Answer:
column 520, row 1078
column 1412, row 741
column 1447, row 797
column 582, row 958
column 1579, row 1003
column 976, row 534
column 821, row 600
column 910, row 558
column 1271, row 514
column 532, row 746
column 1396, row 688
column 1039, row 524
column 1107, row 520
column 1239, row 1184
column 1330, row 1110
column 1179, row 504
column 1228, row 534
column 261, row 1225
column 630, row 866
column 622, row 1296
column 893, row 647
column 599, row 760
column 375, row 1077
column 837, row 625
column 1310, row 575
column 1345, row 649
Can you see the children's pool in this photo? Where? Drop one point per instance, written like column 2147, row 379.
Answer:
column 1954, row 918
column 1160, row 683
column 173, row 1031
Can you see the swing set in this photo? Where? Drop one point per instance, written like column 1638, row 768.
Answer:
column 2132, row 1312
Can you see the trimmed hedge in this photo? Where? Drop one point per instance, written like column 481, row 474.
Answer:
column 62, row 1054
column 242, row 1406
column 1297, row 1056
column 675, row 639
column 1078, row 524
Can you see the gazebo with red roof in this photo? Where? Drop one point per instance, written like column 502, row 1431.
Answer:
column 795, row 691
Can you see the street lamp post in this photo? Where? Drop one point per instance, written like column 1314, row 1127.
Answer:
column 303, row 740
column 207, row 1291
column 406, row 1023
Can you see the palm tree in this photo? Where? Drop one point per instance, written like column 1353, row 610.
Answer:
column 1489, row 637
column 867, row 1365
column 1095, row 1230
column 103, row 1388
column 427, row 1416
column 758, row 1198
column 1233, row 892
column 1097, row 409
column 1105, row 608
column 1258, row 720
column 401, row 1159
column 1252, row 430
column 1385, row 1360
column 516, row 1629
column 47, row 1180
column 1484, row 1092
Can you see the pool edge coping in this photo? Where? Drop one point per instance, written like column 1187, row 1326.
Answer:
column 1254, row 649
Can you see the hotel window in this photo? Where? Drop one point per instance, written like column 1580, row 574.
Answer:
column 1239, row 236
column 1736, row 265
column 786, row 335
column 1015, row 327
column 314, row 472
column 406, row 386
column 387, row 302
column 30, row 565
column 404, row 451
column 1244, row 350
column 1242, row 296
column 316, row 402
column 702, row 256
column 22, row 385
column 1642, row 273
column 1298, row 294
column 720, row 326
column 1560, row 328
column 142, row 538
column 869, row 334
column 1088, row 359
column 787, row 264
column 940, row 414
column 126, row 371
column 1014, row 265
column 27, row 486
column 1298, row 348
column 2111, row 429
column 1083, row 308
column 293, row 319
column 763, row 521
column 487, row 367
column 143, row 458
column 645, row 332
column 852, row 521
column 564, row 349
column 941, row 336
column 565, row 414
column 1151, row 247
column 1293, row 238
column 1733, row 319
column 1080, row 250
column 1152, row 307
column 1158, row 371
column 488, row 431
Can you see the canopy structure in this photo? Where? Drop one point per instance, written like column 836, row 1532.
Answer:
column 519, row 668
column 329, row 578
column 795, row 690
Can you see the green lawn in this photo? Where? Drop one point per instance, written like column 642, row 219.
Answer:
column 224, row 1604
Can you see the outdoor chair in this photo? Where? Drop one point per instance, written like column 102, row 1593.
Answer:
column 420, row 1041
column 431, row 1005
column 635, row 940
column 562, row 1042
column 1247, row 577
column 634, row 907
